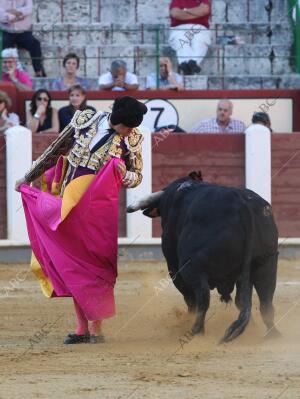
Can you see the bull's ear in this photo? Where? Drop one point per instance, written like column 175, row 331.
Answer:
column 196, row 175
column 151, row 212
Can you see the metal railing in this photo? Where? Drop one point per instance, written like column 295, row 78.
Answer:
column 295, row 17
column 1, row 47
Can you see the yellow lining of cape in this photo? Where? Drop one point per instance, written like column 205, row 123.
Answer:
column 45, row 283
column 73, row 193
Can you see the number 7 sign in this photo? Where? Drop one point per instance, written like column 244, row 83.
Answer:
column 160, row 113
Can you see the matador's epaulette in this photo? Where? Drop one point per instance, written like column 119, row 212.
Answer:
column 135, row 140
column 83, row 119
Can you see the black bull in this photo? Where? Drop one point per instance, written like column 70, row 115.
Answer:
column 217, row 237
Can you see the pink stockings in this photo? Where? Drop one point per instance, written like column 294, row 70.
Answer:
column 82, row 322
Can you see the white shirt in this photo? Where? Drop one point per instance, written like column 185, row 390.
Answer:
column 107, row 78
column 11, row 120
column 151, row 80
column 102, row 130
column 24, row 6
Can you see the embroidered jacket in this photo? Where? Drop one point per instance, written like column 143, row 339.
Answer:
column 85, row 124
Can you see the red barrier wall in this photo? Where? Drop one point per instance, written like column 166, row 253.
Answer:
column 221, row 160
column 286, row 183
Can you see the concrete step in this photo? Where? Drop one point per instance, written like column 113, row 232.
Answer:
column 202, row 82
column 97, row 44
column 145, row 11
column 254, row 33
column 255, row 82
column 245, row 59
column 99, row 34
column 250, row 11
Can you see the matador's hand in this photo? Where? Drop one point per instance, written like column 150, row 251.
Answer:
column 122, row 169
column 19, row 183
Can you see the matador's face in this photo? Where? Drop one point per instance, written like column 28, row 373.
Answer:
column 123, row 130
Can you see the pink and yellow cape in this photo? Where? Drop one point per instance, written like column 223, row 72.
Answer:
column 74, row 238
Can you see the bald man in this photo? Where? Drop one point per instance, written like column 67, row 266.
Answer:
column 223, row 123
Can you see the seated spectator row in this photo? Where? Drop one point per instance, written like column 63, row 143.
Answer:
column 41, row 117
column 118, row 78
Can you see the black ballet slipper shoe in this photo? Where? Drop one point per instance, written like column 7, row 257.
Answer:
column 77, row 339
column 97, row 339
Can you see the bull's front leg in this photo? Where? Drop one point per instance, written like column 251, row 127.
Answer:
column 188, row 294
column 202, row 294
column 199, row 287
column 174, row 272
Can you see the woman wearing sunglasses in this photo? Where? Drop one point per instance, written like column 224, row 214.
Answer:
column 41, row 117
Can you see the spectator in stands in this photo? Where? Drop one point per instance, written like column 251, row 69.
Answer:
column 77, row 98
column 15, row 21
column 167, row 78
column 71, row 64
column 190, row 35
column 11, row 72
column 223, row 123
column 41, row 116
column 118, row 78
column 262, row 118
column 7, row 119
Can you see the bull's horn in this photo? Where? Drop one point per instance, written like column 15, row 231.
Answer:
column 144, row 202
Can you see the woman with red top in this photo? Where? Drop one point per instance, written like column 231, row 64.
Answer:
column 190, row 35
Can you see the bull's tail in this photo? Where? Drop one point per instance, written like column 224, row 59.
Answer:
column 245, row 294
column 238, row 326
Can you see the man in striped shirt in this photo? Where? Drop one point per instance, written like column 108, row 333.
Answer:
column 223, row 123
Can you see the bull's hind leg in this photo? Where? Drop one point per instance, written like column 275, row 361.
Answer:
column 264, row 281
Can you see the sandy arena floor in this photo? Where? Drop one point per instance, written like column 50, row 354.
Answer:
column 148, row 353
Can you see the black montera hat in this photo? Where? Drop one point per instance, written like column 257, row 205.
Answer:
column 128, row 111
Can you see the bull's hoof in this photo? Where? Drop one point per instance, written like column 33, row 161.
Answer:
column 192, row 309
column 273, row 333
column 198, row 330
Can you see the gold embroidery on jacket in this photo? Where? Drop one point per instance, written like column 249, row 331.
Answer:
column 80, row 154
column 83, row 119
column 135, row 162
